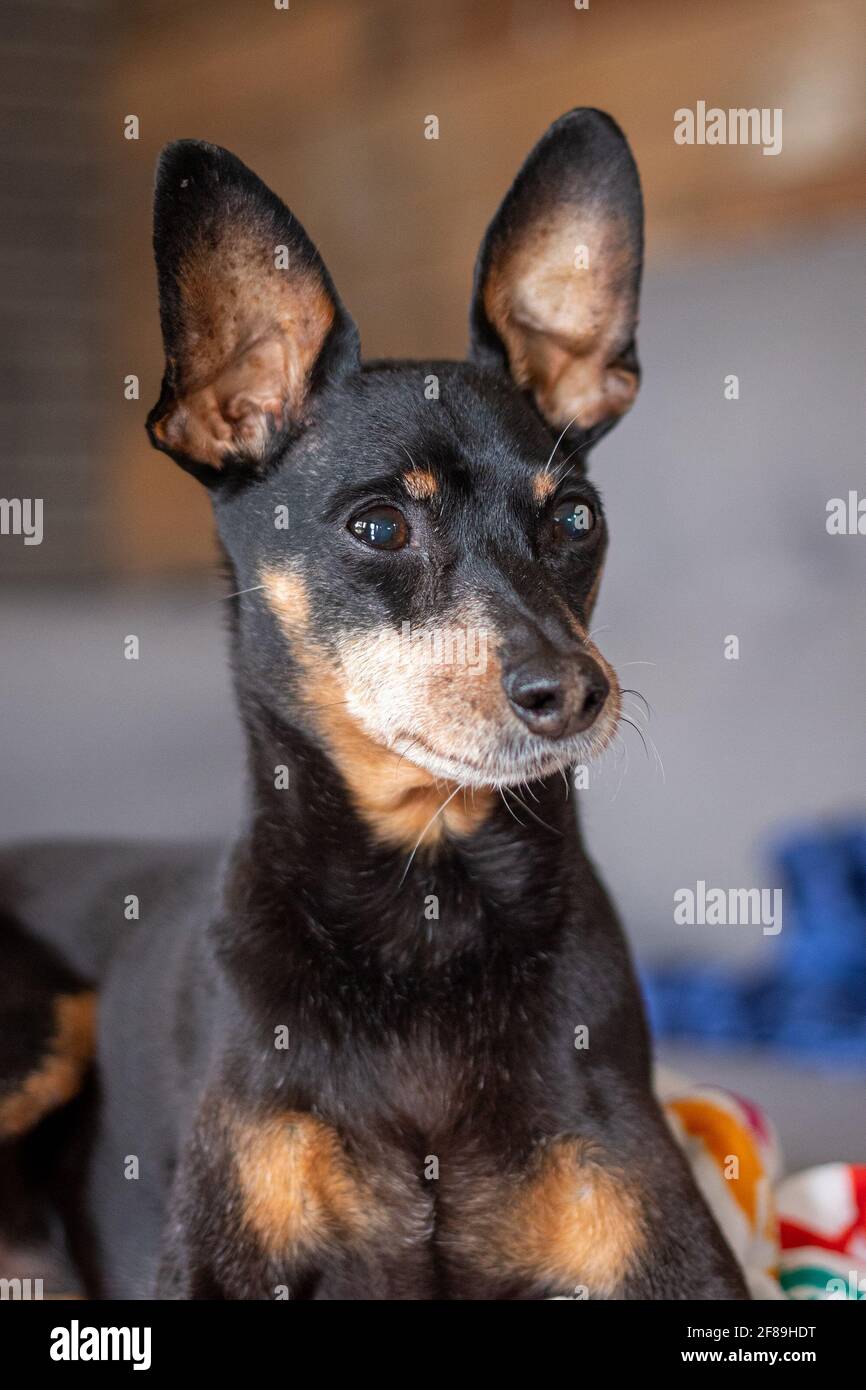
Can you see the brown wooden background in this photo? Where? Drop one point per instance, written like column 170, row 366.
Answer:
column 327, row 102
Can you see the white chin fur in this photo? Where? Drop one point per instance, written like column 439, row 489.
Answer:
column 496, row 765
column 537, row 761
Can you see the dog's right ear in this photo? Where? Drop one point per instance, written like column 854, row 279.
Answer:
column 251, row 321
column 558, row 276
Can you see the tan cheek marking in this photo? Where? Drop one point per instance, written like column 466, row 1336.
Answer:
column 396, row 798
column 572, row 1222
column 561, row 324
column 61, row 1073
column 543, row 486
column 420, row 484
column 286, row 595
column 298, row 1187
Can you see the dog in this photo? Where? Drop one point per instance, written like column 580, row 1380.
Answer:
column 389, row 1045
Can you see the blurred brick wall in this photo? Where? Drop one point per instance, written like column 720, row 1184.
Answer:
column 327, row 102
column 54, row 279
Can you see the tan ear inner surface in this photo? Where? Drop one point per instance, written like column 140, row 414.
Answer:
column 250, row 335
column 562, row 301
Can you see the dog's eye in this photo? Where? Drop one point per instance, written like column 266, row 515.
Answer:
column 573, row 520
column 384, row 528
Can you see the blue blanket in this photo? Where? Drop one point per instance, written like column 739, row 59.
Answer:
column 811, row 996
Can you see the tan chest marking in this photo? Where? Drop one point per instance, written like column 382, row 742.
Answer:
column 569, row 1222
column 299, row 1188
column 59, row 1075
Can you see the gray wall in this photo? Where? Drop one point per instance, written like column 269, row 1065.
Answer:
column 718, row 518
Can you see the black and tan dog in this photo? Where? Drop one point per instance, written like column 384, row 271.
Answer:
column 339, row 1060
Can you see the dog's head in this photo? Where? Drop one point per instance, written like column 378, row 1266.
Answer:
column 420, row 542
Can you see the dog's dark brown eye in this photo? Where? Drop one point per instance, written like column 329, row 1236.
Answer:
column 382, row 527
column 573, row 520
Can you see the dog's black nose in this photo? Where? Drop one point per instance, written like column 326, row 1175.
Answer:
column 554, row 703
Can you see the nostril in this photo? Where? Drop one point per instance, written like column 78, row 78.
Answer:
column 541, row 698
column 593, row 701
column 597, row 691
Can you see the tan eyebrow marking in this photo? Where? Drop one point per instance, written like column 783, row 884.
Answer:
column 543, row 485
column 420, row 484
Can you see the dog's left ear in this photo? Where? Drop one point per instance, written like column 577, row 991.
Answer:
column 558, row 276
column 251, row 321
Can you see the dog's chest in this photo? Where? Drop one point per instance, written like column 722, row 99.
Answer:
column 383, row 1221
column 423, row 1195
column 434, row 1162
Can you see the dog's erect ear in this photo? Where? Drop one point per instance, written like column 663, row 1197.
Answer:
column 558, row 276
column 250, row 319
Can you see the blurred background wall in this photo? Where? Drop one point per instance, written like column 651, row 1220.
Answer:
column 717, row 507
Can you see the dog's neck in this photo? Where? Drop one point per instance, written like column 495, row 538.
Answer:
column 309, row 841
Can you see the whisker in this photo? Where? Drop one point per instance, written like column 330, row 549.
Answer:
column 568, row 459
column 658, row 756
column 237, row 593
column 625, row 720
column 529, row 811
column 424, row 832
column 593, row 437
column 560, row 478
column 638, row 714
column 585, row 444
column 509, row 809
column 525, row 784
column 625, row 766
column 649, row 712
column 403, row 754
column 642, row 698
column 558, row 442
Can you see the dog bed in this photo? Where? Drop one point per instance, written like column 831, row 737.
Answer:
column 799, row 1237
